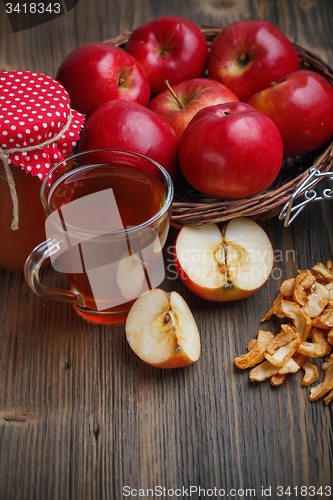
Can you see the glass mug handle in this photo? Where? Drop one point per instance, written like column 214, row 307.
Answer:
column 32, row 268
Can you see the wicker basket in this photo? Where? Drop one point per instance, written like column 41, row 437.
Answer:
column 192, row 207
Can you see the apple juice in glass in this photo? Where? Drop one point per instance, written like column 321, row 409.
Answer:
column 108, row 219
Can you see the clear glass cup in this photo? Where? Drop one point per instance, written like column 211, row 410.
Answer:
column 108, row 217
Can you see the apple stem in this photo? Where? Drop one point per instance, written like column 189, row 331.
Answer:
column 244, row 59
column 174, row 95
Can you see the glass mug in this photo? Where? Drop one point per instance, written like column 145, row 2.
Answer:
column 108, row 218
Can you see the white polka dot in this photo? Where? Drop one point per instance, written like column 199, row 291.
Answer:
column 28, row 158
column 73, row 143
column 5, row 132
column 28, row 167
column 45, row 125
column 38, row 165
column 19, row 136
column 47, row 165
column 40, row 176
column 27, row 131
column 36, row 127
column 36, row 157
column 3, row 145
column 16, row 157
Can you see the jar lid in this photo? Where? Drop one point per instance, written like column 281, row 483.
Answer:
column 37, row 126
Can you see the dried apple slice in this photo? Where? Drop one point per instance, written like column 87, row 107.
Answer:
column 278, row 379
column 311, row 373
column 303, row 282
column 325, row 320
column 161, row 330
column 287, row 287
column 327, row 385
column 266, row 369
column 257, row 354
column 323, row 271
column 275, row 309
column 329, row 397
column 319, row 336
column 283, row 354
column 301, row 319
column 312, row 350
column 251, row 345
column 317, row 300
column 330, row 336
column 283, row 338
column 227, row 265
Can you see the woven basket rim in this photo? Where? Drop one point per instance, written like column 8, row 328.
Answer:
column 199, row 209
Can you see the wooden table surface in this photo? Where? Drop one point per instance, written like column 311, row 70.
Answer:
column 81, row 417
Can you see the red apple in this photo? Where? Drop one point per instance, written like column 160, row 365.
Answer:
column 301, row 106
column 178, row 104
column 97, row 73
column 247, row 56
column 129, row 126
column 230, row 151
column 169, row 48
column 224, row 266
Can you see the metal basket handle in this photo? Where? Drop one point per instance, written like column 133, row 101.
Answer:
column 290, row 212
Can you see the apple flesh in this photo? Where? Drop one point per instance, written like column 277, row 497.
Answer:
column 224, row 266
column 129, row 126
column 230, row 151
column 161, row 330
column 301, row 106
column 180, row 103
column 247, row 56
column 169, row 48
column 96, row 73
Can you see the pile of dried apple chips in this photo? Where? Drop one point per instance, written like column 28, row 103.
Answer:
column 308, row 301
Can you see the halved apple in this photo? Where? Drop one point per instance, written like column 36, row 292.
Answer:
column 227, row 265
column 161, row 330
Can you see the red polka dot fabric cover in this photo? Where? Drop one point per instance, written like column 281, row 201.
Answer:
column 34, row 109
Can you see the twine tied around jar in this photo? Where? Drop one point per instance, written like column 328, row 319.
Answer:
column 4, row 155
